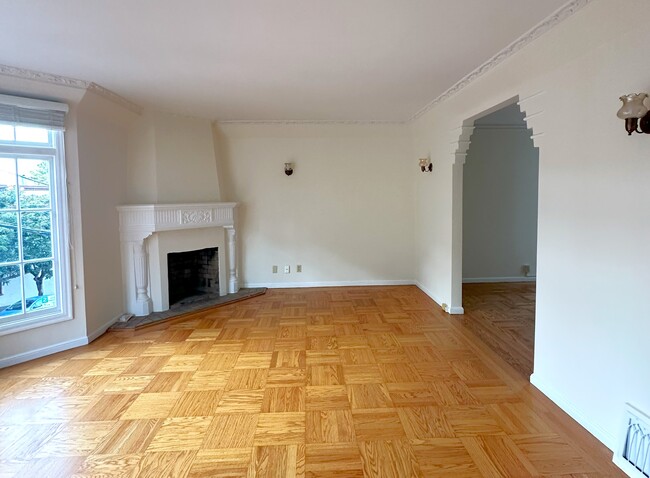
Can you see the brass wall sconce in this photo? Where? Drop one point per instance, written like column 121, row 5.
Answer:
column 426, row 166
column 288, row 169
column 635, row 113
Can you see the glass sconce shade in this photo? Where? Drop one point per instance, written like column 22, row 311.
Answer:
column 633, row 106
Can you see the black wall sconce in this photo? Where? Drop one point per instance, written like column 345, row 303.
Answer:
column 426, row 166
column 288, row 169
column 635, row 113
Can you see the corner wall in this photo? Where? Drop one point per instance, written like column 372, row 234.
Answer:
column 594, row 227
column 103, row 144
column 345, row 215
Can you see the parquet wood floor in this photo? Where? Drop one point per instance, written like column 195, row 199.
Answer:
column 503, row 316
column 339, row 382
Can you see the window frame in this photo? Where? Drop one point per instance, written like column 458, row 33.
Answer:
column 55, row 152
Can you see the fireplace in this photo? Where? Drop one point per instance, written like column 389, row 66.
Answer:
column 152, row 235
column 192, row 274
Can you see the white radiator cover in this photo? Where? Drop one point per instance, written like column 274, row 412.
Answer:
column 633, row 453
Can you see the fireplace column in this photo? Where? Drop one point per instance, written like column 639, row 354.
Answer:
column 233, row 282
column 143, row 304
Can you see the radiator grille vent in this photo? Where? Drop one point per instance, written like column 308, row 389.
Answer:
column 633, row 455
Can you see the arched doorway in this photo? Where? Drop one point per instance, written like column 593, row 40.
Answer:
column 495, row 231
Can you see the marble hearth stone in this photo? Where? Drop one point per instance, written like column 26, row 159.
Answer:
column 191, row 304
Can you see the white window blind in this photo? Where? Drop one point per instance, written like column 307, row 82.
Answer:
column 19, row 111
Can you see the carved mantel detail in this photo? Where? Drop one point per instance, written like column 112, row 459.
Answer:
column 138, row 222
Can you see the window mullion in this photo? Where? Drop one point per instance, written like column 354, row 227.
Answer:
column 19, row 234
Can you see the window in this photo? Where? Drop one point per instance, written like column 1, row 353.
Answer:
column 34, row 264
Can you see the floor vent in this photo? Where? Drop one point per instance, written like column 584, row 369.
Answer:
column 633, row 454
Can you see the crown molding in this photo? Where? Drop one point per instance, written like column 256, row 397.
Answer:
column 115, row 98
column 69, row 82
column 43, row 77
column 554, row 19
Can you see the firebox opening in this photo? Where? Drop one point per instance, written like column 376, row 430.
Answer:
column 192, row 274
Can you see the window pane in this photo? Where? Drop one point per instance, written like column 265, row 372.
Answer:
column 25, row 134
column 6, row 132
column 34, row 181
column 8, row 237
column 37, row 235
column 7, row 183
column 10, row 291
column 39, row 282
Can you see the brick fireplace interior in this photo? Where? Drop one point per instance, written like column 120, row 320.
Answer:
column 192, row 274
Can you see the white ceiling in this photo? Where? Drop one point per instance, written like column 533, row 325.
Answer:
column 267, row 59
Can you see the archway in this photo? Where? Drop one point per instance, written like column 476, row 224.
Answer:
column 502, row 255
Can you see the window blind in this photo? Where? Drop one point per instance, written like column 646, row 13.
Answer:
column 20, row 111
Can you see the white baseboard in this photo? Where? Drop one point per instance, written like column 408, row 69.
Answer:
column 574, row 411
column 481, row 280
column 101, row 329
column 437, row 300
column 42, row 352
column 429, row 293
column 292, row 285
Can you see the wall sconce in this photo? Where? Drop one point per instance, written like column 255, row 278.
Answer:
column 635, row 113
column 425, row 165
column 288, row 169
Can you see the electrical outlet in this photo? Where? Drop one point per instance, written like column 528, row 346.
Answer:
column 287, row 269
column 298, row 268
column 275, row 269
column 525, row 269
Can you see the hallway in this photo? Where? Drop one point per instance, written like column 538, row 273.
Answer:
column 502, row 315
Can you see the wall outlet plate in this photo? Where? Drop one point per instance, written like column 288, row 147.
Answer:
column 299, row 268
column 287, row 269
column 275, row 269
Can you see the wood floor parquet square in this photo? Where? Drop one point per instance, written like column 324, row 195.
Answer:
column 280, row 429
column 330, row 382
column 221, row 463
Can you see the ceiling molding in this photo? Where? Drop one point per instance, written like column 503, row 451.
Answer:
column 554, row 19
column 115, row 98
column 42, row 77
column 69, row 82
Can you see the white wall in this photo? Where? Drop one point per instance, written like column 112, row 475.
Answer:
column 103, row 144
column 171, row 160
column 346, row 213
column 594, row 226
column 500, row 199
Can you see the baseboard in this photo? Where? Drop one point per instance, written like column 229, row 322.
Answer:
column 573, row 411
column 429, row 293
column 292, row 285
column 456, row 310
column 101, row 329
column 42, row 352
column 481, row 280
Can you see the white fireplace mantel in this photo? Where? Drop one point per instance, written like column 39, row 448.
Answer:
column 138, row 222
